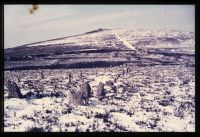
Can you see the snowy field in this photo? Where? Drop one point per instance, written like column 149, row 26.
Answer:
column 152, row 98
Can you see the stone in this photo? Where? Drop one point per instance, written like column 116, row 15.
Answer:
column 80, row 76
column 109, row 83
column 42, row 75
column 85, row 90
column 13, row 90
column 75, row 98
column 69, row 77
column 100, row 89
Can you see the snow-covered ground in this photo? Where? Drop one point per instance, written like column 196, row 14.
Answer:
column 152, row 99
column 129, row 38
column 155, row 94
column 125, row 42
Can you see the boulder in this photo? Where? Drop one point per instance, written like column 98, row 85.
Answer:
column 100, row 89
column 75, row 98
column 85, row 91
column 13, row 90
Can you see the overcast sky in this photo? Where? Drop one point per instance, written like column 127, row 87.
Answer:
column 54, row 21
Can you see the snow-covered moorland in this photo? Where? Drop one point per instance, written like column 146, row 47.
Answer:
column 150, row 88
column 153, row 98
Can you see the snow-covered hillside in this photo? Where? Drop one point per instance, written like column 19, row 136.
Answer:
column 148, row 79
column 129, row 38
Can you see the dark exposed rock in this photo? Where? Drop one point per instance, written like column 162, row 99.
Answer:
column 123, row 72
column 18, row 79
column 85, row 90
column 69, row 77
column 127, row 70
column 115, row 79
column 75, row 98
column 42, row 75
column 13, row 90
column 80, row 76
column 48, row 111
column 76, row 130
column 30, row 95
column 100, row 89
column 109, row 83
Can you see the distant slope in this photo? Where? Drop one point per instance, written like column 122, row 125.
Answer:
column 109, row 39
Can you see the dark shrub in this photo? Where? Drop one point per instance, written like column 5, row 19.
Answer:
column 36, row 129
